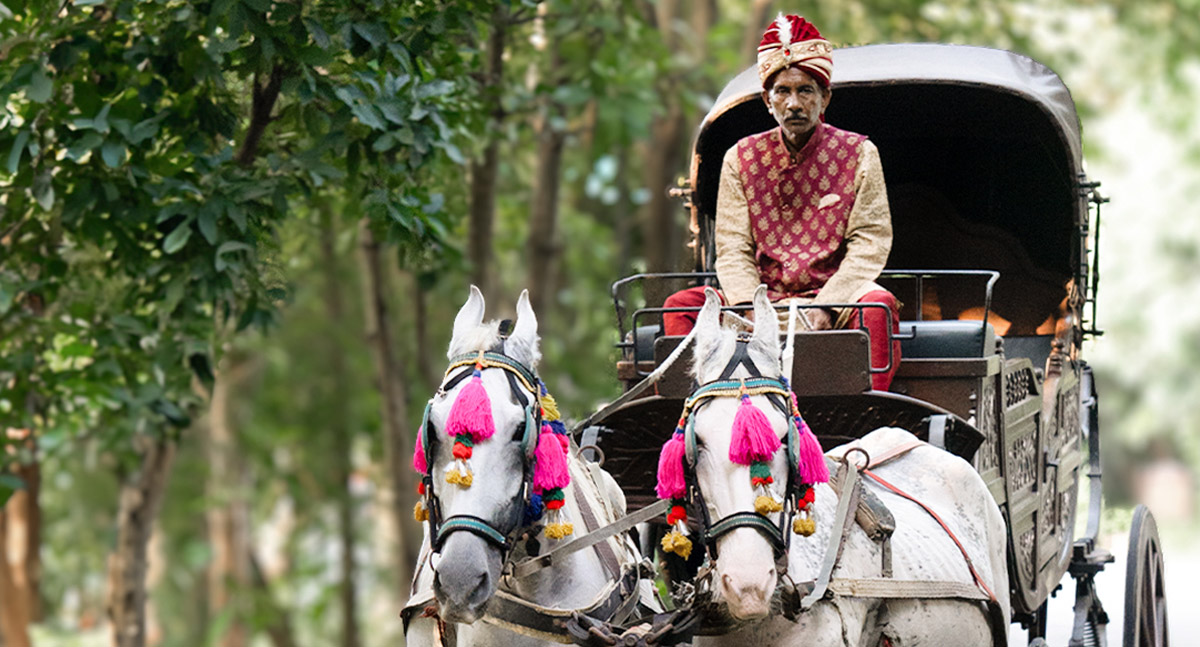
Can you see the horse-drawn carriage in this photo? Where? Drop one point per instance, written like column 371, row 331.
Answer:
column 994, row 259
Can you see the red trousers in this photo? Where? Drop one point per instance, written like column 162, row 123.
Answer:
column 875, row 321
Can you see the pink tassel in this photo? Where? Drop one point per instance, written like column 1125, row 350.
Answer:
column 753, row 439
column 418, row 462
column 811, row 458
column 551, row 471
column 671, row 484
column 472, row 412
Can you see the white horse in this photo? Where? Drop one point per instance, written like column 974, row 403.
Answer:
column 456, row 583
column 744, row 572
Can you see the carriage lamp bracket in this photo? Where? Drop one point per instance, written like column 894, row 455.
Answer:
column 1089, row 268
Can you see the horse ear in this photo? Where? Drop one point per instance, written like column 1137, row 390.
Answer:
column 522, row 344
column 708, row 322
column 708, row 331
column 766, row 323
column 469, row 316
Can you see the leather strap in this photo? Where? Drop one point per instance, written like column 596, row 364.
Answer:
column 884, row 587
column 604, row 550
column 532, row 565
column 837, row 535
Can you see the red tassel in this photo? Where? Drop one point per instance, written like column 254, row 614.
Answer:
column 551, row 470
column 753, row 439
column 811, row 458
column 462, row 451
column 678, row 513
column 472, row 412
column 671, row 484
column 555, row 504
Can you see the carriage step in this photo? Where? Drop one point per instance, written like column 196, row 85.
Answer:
column 1088, row 560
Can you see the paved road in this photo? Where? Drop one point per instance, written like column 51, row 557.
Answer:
column 1183, row 575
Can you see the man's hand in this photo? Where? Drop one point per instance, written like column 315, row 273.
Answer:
column 818, row 318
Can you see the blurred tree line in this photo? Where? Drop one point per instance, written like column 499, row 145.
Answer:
column 233, row 234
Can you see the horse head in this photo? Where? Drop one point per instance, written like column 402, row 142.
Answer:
column 730, row 485
column 476, row 442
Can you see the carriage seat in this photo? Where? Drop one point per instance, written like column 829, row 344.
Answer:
column 945, row 339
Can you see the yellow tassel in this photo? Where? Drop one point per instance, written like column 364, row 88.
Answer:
column 804, row 526
column 558, row 530
column 675, row 542
column 550, row 408
column 766, row 504
column 420, row 513
column 462, row 479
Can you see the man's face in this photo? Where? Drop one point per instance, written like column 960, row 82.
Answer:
column 797, row 102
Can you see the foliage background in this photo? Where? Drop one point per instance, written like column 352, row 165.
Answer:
column 121, row 285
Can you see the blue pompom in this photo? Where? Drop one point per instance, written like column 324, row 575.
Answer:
column 534, row 509
column 558, row 427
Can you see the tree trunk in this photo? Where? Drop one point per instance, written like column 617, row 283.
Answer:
column 14, row 600
column 397, row 435
column 485, row 169
column 277, row 626
column 425, row 369
column 228, row 515
column 541, row 247
column 756, row 24
column 139, row 500
column 340, row 433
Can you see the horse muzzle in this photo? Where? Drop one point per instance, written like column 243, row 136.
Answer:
column 467, row 576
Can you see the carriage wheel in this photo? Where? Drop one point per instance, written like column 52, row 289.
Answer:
column 1145, row 597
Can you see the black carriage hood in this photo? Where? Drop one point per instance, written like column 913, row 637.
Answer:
column 980, row 141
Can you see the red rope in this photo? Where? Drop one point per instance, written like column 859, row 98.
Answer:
column 970, row 566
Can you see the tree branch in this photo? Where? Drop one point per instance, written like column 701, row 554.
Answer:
column 260, row 114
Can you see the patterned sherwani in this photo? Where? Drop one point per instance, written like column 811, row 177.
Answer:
column 814, row 225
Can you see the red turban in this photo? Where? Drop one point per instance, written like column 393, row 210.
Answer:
column 792, row 40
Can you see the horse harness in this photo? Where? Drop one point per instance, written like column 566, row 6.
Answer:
column 615, row 604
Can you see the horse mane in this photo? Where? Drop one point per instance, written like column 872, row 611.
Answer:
column 486, row 336
column 713, row 351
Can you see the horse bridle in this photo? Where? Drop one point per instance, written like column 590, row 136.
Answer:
column 778, row 394
column 521, row 380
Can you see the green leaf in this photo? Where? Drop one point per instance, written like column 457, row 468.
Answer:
column 40, row 87
column 113, row 153
column 373, row 33
column 43, row 191
column 178, row 238
column 100, row 123
column 207, row 222
column 18, row 149
column 319, row 35
column 9, row 484
column 237, row 214
column 228, row 247
column 84, row 145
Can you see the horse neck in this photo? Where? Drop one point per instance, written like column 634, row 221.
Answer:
column 576, row 580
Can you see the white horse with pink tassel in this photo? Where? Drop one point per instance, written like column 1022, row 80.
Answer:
column 730, row 446
column 501, row 482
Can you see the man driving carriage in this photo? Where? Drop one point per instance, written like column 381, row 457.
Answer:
column 802, row 207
